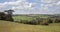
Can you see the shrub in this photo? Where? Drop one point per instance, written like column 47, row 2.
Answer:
column 2, row 16
column 34, row 22
column 8, row 17
column 50, row 21
column 43, row 21
column 57, row 20
column 39, row 21
column 24, row 21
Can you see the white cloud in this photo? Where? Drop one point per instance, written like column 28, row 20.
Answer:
column 49, row 1
column 58, row 3
column 2, row 5
column 47, row 6
column 50, row 6
column 18, row 4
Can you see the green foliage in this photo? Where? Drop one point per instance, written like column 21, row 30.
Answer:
column 8, row 17
column 57, row 20
column 4, row 16
column 50, row 21
column 36, row 20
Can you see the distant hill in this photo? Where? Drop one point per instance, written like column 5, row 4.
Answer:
column 37, row 14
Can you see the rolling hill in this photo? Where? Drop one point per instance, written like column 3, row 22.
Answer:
column 7, row 26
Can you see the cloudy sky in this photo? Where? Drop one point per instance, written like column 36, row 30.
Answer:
column 31, row 6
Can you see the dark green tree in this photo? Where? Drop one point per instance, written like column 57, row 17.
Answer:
column 9, row 15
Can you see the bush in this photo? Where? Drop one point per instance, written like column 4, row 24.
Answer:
column 24, row 21
column 8, row 17
column 33, row 22
column 57, row 21
column 50, row 21
column 39, row 21
column 43, row 21
column 2, row 16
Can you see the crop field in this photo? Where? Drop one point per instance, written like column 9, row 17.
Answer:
column 22, row 18
column 26, row 17
column 7, row 26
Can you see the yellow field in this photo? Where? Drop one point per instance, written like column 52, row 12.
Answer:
column 6, row 26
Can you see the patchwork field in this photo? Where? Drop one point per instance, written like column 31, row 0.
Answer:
column 29, row 17
column 6, row 26
column 22, row 18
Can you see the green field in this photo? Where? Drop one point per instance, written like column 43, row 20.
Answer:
column 22, row 18
column 6, row 26
column 25, row 17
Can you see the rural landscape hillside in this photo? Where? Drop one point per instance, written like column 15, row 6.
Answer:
column 29, row 23
column 29, row 15
column 7, row 26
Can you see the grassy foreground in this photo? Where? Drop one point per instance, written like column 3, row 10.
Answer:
column 6, row 26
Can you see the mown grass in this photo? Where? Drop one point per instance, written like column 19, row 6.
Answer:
column 6, row 26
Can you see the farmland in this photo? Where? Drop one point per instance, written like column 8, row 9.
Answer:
column 7, row 26
column 37, row 19
column 22, row 18
column 29, row 17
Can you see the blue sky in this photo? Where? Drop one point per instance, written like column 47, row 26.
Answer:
column 1, row 1
column 31, row 6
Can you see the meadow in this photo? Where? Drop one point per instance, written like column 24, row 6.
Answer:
column 36, row 19
column 22, row 18
column 29, row 17
column 7, row 26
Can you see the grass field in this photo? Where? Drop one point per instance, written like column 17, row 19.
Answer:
column 24, row 17
column 6, row 26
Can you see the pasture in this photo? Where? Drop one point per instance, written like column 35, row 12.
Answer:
column 22, row 18
column 29, row 17
column 7, row 26
column 36, row 19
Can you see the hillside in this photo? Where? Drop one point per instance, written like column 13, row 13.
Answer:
column 6, row 26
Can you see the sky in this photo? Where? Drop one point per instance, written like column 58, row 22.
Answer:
column 31, row 6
